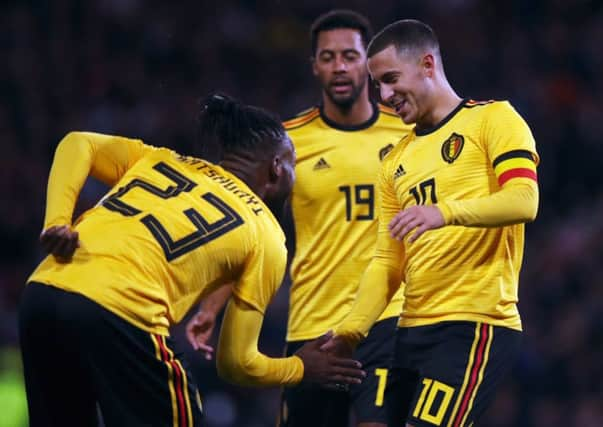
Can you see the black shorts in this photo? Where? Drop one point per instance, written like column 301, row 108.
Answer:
column 446, row 374
column 77, row 355
column 311, row 405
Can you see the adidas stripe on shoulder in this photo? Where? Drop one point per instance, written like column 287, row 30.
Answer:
column 302, row 118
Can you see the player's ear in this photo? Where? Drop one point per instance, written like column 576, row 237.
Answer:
column 276, row 168
column 428, row 64
column 314, row 69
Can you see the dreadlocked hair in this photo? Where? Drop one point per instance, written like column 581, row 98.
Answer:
column 227, row 126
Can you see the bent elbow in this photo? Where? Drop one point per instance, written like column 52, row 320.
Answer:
column 228, row 368
column 70, row 141
column 72, row 137
column 531, row 208
column 531, row 214
column 528, row 209
column 238, row 371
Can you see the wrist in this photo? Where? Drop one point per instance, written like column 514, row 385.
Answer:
column 349, row 337
column 299, row 370
column 446, row 212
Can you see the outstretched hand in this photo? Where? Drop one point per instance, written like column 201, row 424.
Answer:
column 60, row 241
column 327, row 368
column 199, row 330
column 421, row 218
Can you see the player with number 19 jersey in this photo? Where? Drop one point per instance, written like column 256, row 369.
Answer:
column 335, row 210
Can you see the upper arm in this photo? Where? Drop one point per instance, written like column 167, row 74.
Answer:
column 263, row 271
column 510, row 145
column 388, row 249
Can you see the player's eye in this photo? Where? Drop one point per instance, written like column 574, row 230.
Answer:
column 390, row 78
column 351, row 56
column 325, row 57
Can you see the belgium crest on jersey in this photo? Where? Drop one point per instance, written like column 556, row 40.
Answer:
column 385, row 150
column 452, row 147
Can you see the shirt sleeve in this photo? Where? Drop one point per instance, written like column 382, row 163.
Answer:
column 78, row 155
column 239, row 360
column 383, row 276
column 511, row 149
column 264, row 269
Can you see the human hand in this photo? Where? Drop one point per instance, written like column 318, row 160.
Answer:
column 60, row 241
column 338, row 346
column 326, row 368
column 422, row 218
column 199, row 330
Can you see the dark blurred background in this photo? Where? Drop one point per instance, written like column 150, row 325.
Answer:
column 137, row 68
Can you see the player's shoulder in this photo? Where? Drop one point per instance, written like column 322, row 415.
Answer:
column 269, row 233
column 387, row 111
column 493, row 112
column 393, row 154
column 302, row 118
column 491, row 106
column 389, row 119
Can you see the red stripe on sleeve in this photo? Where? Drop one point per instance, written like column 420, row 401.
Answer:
column 516, row 173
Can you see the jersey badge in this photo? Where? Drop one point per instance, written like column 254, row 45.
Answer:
column 452, row 147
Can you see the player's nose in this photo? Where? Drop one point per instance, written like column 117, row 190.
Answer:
column 386, row 92
column 339, row 64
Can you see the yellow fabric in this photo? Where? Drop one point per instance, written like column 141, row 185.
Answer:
column 514, row 164
column 382, row 278
column 123, row 264
column 105, row 157
column 456, row 272
column 515, row 203
column 335, row 214
column 239, row 360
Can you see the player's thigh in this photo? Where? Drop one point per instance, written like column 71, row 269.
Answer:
column 401, row 382
column 139, row 378
column 311, row 405
column 59, row 391
column 375, row 353
column 460, row 364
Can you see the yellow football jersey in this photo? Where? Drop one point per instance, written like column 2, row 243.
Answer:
column 170, row 230
column 335, row 215
column 459, row 272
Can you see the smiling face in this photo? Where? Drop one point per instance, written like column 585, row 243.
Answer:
column 405, row 81
column 340, row 65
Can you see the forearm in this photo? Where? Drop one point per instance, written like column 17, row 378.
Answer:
column 70, row 168
column 239, row 360
column 215, row 301
column 378, row 285
column 515, row 203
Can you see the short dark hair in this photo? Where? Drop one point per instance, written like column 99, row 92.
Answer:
column 226, row 125
column 405, row 34
column 340, row 19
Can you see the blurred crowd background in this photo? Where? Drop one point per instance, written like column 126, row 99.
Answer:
column 138, row 68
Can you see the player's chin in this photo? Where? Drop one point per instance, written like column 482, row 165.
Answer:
column 342, row 99
column 408, row 117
